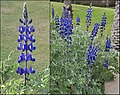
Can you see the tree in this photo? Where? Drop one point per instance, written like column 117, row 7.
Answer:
column 68, row 6
column 115, row 29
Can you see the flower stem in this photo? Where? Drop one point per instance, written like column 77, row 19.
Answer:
column 26, row 62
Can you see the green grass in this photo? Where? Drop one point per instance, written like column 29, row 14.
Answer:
column 11, row 11
column 81, row 10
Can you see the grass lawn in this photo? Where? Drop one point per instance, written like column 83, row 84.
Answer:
column 11, row 11
column 81, row 10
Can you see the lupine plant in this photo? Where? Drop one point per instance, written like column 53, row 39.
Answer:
column 26, row 40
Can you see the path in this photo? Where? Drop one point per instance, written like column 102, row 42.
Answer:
column 112, row 87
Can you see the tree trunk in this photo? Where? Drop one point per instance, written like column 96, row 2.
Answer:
column 115, row 30
column 68, row 6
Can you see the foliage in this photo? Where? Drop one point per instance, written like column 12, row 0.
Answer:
column 69, row 70
column 10, row 85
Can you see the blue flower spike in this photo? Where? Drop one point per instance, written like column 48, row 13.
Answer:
column 94, row 31
column 53, row 12
column 66, row 29
column 92, row 54
column 108, row 45
column 88, row 17
column 26, row 40
column 66, row 26
column 103, row 23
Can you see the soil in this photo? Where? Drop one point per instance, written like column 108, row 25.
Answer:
column 112, row 87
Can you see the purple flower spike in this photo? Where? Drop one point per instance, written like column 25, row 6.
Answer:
column 53, row 13
column 25, row 40
column 108, row 45
column 66, row 26
column 88, row 17
column 94, row 31
column 92, row 53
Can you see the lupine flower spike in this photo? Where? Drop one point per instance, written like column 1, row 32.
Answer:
column 66, row 26
column 26, row 40
column 91, row 55
column 53, row 12
column 94, row 31
column 66, row 29
column 103, row 23
column 108, row 45
column 88, row 17
column 78, row 20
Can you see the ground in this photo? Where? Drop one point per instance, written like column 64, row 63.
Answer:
column 112, row 87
